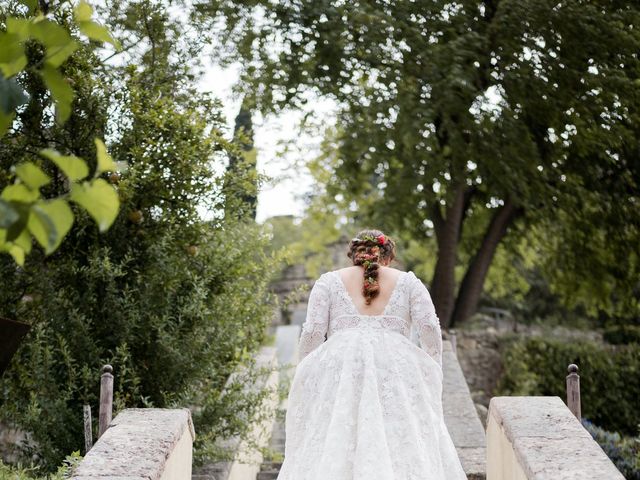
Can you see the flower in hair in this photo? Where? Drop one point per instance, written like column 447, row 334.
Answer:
column 380, row 239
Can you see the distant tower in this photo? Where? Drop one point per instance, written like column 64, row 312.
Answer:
column 241, row 183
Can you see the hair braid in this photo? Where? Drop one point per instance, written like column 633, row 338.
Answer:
column 368, row 249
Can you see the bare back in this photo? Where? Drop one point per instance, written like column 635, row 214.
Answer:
column 353, row 280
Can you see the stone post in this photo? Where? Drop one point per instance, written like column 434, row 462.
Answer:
column 573, row 391
column 106, row 399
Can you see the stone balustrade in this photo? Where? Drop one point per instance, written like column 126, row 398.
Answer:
column 142, row 444
column 461, row 417
column 538, row 438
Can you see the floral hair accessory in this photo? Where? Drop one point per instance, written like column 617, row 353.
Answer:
column 380, row 239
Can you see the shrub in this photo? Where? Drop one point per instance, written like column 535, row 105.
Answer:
column 64, row 471
column 622, row 334
column 174, row 302
column 609, row 380
column 624, row 452
column 174, row 328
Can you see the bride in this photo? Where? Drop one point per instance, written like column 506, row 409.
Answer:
column 366, row 404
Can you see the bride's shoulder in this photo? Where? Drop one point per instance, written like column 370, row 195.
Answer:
column 327, row 276
column 408, row 277
column 397, row 272
column 345, row 269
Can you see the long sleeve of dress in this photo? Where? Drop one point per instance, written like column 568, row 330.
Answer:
column 426, row 321
column 316, row 323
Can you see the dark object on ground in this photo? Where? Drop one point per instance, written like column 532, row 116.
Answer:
column 11, row 334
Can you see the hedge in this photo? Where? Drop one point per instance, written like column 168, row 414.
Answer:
column 609, row 377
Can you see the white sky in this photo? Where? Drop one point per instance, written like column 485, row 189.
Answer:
column 290, row 178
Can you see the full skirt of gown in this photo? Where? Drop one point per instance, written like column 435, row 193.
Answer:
column 367, row 405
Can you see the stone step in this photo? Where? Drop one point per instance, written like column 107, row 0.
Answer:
column 270, row 466
column 269, row 471
column 267, row 476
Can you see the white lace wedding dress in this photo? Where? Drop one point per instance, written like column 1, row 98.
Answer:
column 366, row 403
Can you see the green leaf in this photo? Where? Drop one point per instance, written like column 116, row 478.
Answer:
column 105, row 162
column 8, row 215
column 12, row 57
column 24, row 241
column 61, row 91
column 5, row 121
column 49, row 222
column 99, row 199
column 13, row 249
column 32, row 175
column 98, row 33
column 17, row 228
column 18, row 248
column 16, row 252
column 19, row 193
column 19, row 27
column 73, row 167
column 83, row 12
column 56, row 40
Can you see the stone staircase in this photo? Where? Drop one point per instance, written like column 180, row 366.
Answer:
column 269, row 469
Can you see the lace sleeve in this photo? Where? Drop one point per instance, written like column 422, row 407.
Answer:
column 316, row 324
column 425, row 320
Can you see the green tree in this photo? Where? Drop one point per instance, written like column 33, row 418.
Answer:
column 470, row 117
column 174, row 301
column 243, row 167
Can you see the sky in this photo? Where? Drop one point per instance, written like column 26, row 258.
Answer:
column 290, row 180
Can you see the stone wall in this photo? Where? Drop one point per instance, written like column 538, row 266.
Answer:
column 461, row 417
column 10, row 441
column 479, row 355
column 538, row 438
column 142, row 444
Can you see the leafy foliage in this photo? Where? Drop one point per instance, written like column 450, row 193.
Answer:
column 622, row 334
column 623, row 451
column 174, row 295
column 517, row 109
column 24, row 212
column 64, row 471
column 609, row 383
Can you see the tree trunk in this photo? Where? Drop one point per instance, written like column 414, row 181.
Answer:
column 473, row 281
column 443, row 285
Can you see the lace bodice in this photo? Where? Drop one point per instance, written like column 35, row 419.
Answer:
column 330, row 309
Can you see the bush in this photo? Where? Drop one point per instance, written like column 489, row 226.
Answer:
column 173, row 327
column 622, row 334
column 173, row 301
column 64, row 471
column 609, row 379
column 624, row 452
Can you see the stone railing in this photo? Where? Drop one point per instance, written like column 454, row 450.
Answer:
column 538, row 438
column 142, row 444
column 461, row 417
